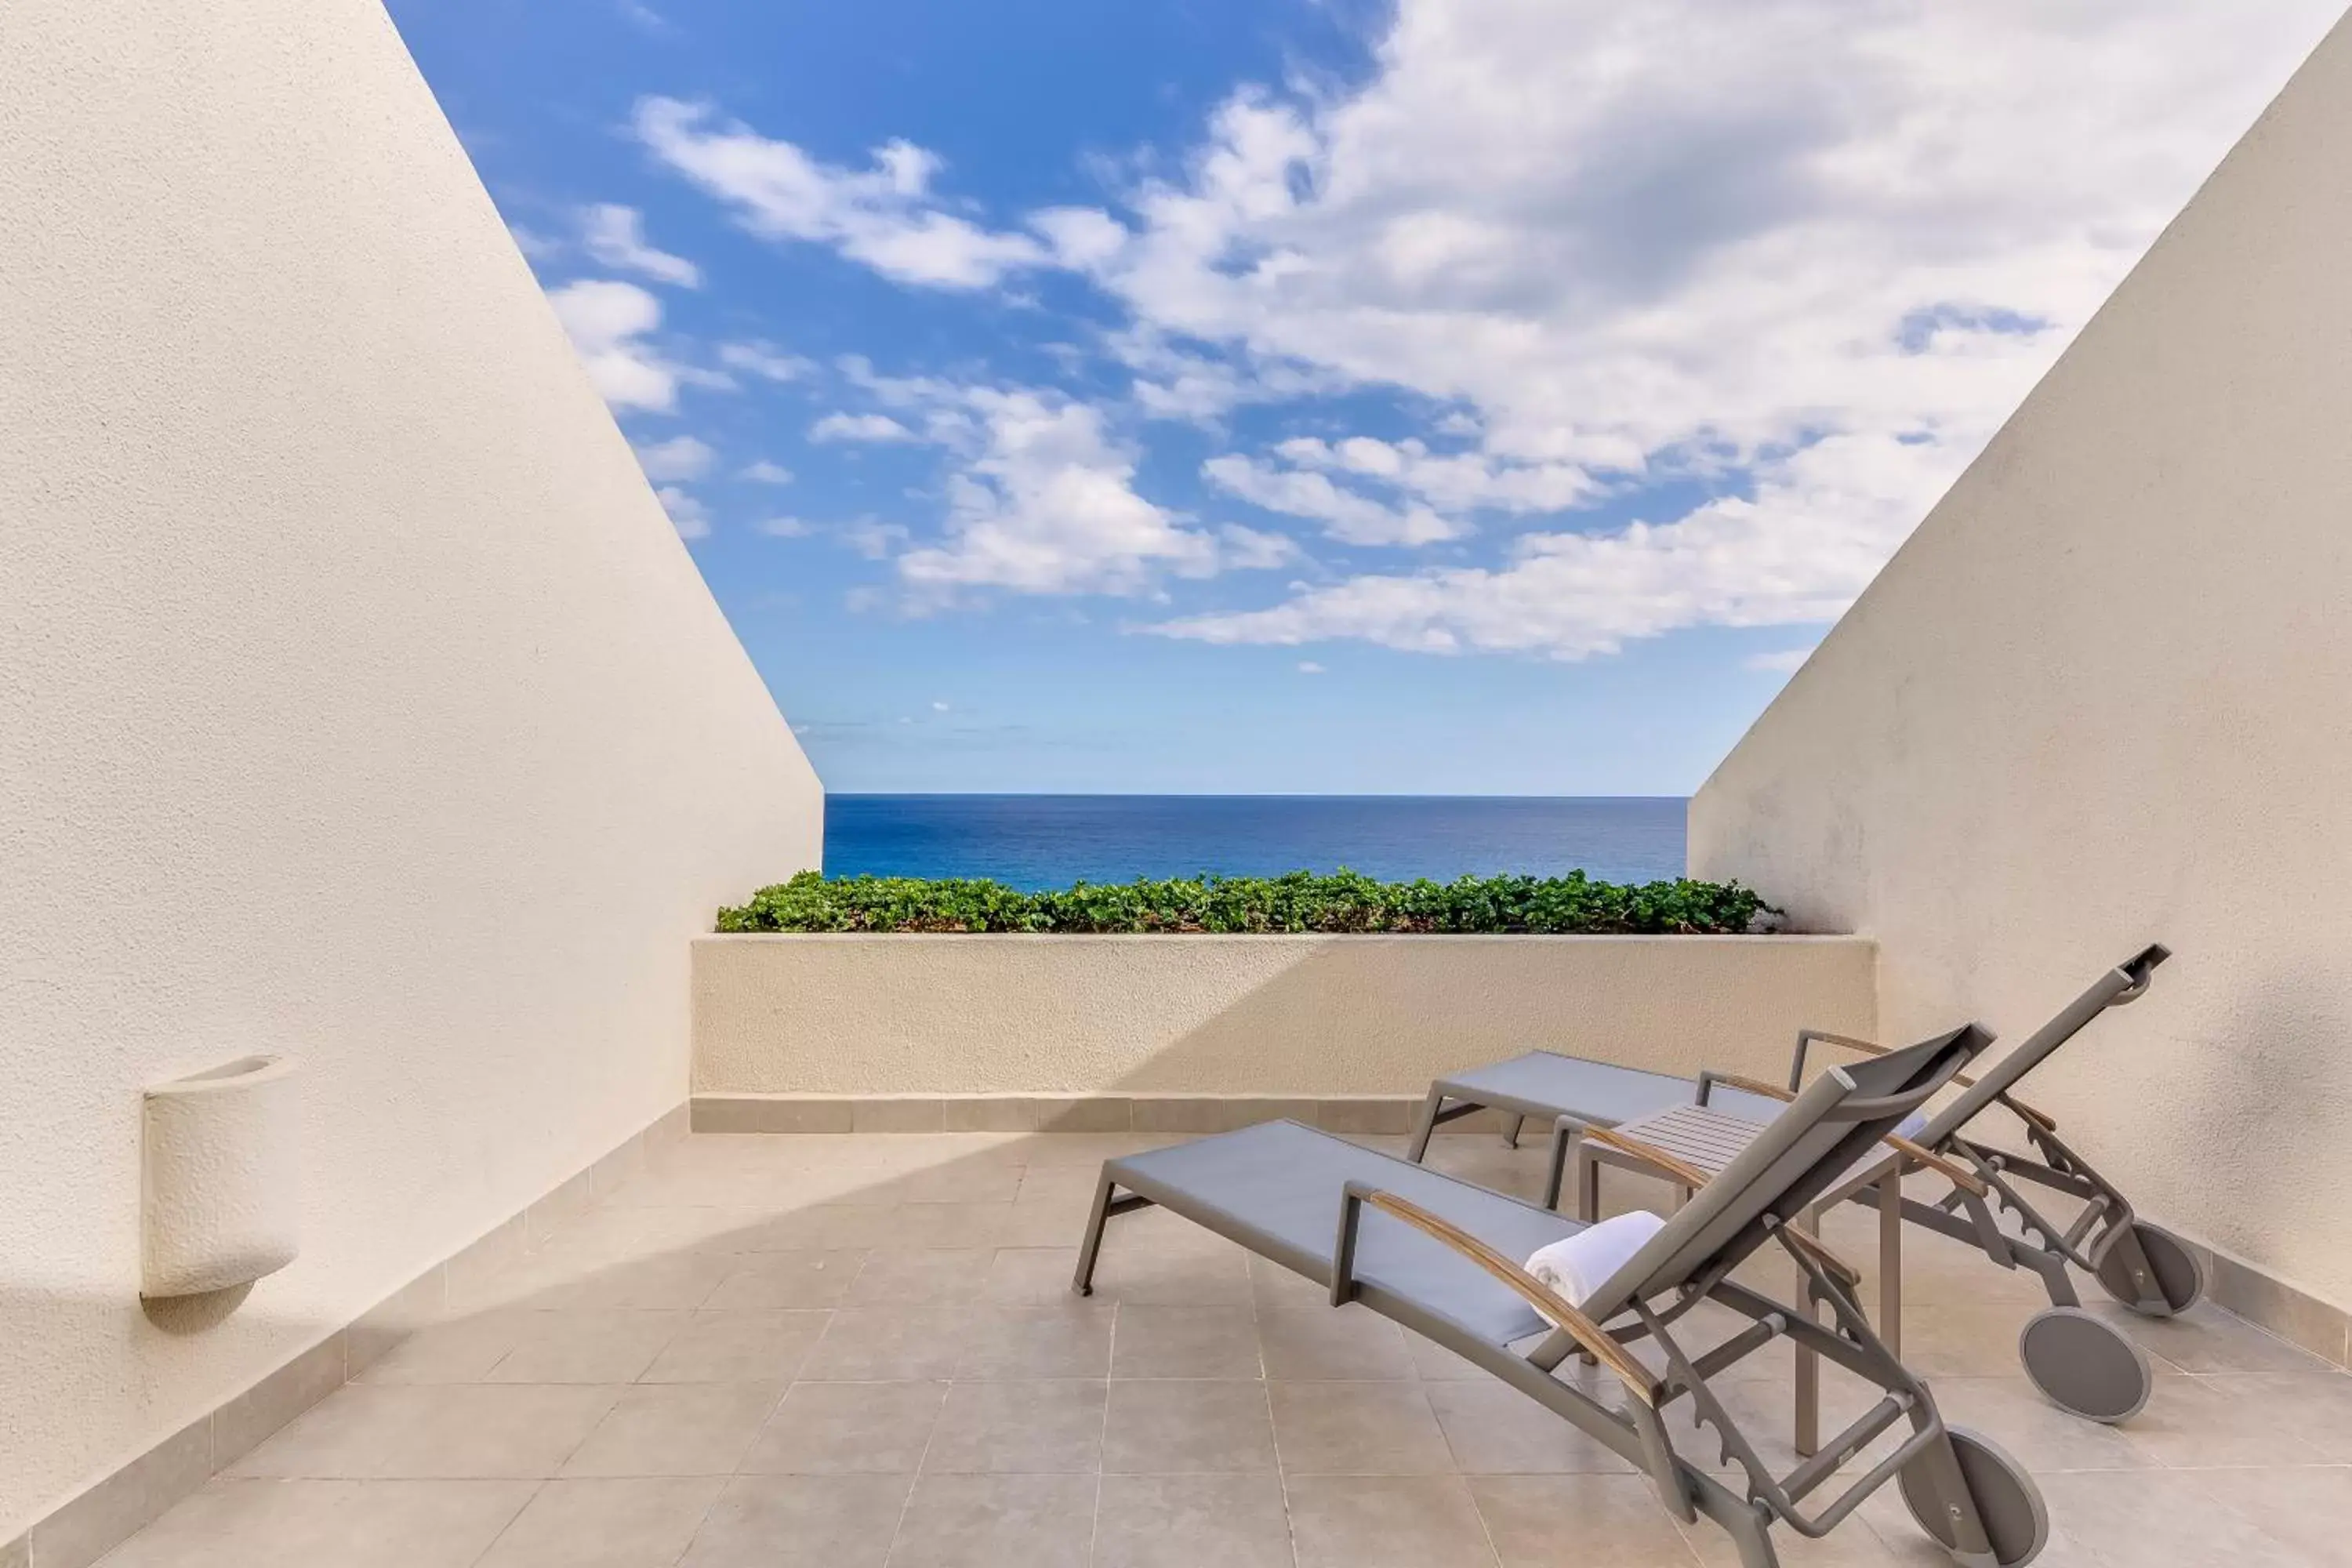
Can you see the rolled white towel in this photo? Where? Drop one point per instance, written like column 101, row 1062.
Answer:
column 1578, row 1265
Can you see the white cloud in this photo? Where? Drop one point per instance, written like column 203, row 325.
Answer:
column 878, row 428
column 883, row 216
column 609, row 322
column 1042, row 500
column 681, row 457
column 764, row 472
column 615, row 236
column 763, row 359
column 1815, row 531
column 1780, row 661
column 686, row 513
column 939, row 706
column 1308, row 667
column 1460, row 481
column 1681, row 240
column 783, row 528
column 1344, row 514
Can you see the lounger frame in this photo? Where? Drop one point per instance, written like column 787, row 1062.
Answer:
column 1662, row 1294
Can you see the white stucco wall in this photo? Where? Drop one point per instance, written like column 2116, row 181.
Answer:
column 2103, row 696
column 1322, row 1015
column 357, row 701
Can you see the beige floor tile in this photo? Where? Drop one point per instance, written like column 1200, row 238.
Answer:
column 633, row 1523
column 1494, row 1429
column 235, row 1523
column 2264, row 1418
column 339, row 1438
column 1071, row 1185
column 1185, row 1428
column 1386, row 1522
column 586, row 1347
column 728, row 1347
column 487, row 1430
column 1184, row 1341
column 677, row 1429
column 2207, row 1340
column 878, row 1345
column 847, row 1428
column 1029, row 1276
column 1072, row 1340
column 2307, row 1510
column 1349, row 1344
column 1357, row 1429
column 800, row 1521
column 774, row 1280
column 997, row 1522
column 2036, row 1432
column 1273, row 1286
column 931, row 1276
column 1433, row 1362
column 1048, row 1427
column 683, row 1279
column 1159, row 1259
column 949, row 1224
column 823, row 1227
column 1043, row 1222
column 1184, row 1522
column 1577, row 1521
column 460, row 1350
column 2134, row 1518
column 962, row 1182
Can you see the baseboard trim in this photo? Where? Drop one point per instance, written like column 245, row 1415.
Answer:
column 101, row 1517
column 714, row 1111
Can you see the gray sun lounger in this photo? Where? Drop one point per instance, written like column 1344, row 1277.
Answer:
column 1442, row 1256
column 2080, row 1362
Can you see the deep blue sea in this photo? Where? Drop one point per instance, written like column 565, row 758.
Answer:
column 1035, row 841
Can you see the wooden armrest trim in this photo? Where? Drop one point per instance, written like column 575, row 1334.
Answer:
column 1819, row 1250
column 1530, row 1289
column 1747, row 1084
column 1867, row 1047
column 1951, row 1170
column 1680, row 1171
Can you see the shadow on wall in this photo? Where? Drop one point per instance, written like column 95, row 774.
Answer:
column 1268, row 1016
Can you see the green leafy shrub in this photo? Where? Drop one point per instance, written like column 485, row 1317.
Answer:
column 1299, row 901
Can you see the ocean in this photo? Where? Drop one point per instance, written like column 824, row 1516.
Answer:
column 1034, row 841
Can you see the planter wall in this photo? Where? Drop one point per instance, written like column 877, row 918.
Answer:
column 1312, row 1016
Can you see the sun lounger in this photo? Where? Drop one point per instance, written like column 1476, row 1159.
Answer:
column 1441, row 1257
column 2078, row 1361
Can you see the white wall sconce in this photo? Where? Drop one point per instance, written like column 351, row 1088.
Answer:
column 221, row 1177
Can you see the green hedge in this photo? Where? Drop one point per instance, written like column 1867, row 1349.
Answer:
column 1300, row 901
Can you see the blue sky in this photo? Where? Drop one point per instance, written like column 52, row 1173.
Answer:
column 1488, row 397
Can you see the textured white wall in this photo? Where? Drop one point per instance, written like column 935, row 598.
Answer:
column 2103, row 696
column 356, row 699
column 1244, row 1015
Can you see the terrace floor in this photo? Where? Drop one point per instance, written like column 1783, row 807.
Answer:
column 861, row 1351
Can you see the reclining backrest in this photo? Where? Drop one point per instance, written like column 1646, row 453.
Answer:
column 1834, row 1121
column 2119, row 986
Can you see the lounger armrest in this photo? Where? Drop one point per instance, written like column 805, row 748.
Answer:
column 1819, row 1251
column 1555, row 1308
column 1952, row 1171
column 1806, row 1038
column 1709, row 1078
column 1678, row 1170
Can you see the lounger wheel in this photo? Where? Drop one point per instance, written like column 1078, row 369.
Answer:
column 2016, row 1522
column 2173, row 1279
column 2084, row 1364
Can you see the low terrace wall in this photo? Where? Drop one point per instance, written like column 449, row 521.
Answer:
column 827, row 1033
